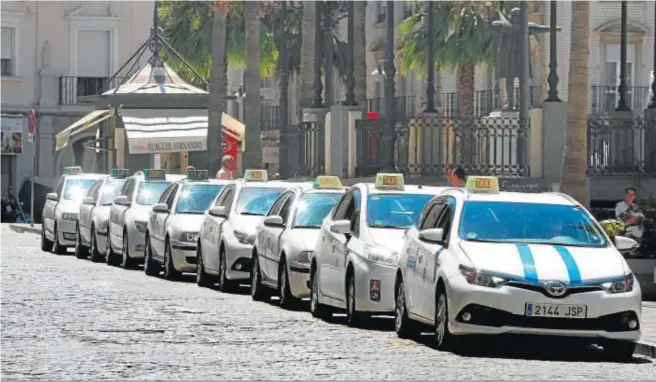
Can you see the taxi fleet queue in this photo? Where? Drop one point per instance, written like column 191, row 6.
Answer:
column 456, row 261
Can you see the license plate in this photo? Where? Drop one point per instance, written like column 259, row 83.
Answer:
column 556, row 310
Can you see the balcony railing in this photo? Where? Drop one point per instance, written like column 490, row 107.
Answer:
column 269, row 117
column 604, row 98
column 406, row 107
column 72, row 87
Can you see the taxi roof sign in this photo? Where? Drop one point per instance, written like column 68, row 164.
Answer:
column 327, row 182
column 482, row 184
column 155, row 174
column 73, row 170
column 198, row 174
column 120, row 173
column 256, row 175
column 389, row 181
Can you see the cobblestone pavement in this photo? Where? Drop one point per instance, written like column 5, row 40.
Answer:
column 64, row 318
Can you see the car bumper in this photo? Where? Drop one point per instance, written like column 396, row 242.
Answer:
column 136, row 243
column 66, row 232
column 239, row 260
column 374, row 287
column 299, row 278
column 184, row 256
column 101, row 242
column 502, row 310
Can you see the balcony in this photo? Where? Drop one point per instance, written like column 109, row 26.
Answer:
column 604, row 98
column 72, row 87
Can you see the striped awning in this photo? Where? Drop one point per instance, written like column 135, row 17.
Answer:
column 89, row 120
column 165, row 131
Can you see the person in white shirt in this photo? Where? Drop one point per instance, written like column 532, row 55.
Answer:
column 628, row 213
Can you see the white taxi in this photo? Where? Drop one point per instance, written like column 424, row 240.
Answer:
column 227, row 235
column 488, row 262
column 61, row 209
column 128, row 216
column 354, row 262
column 285, row 239
column 91, row 232
column 174, row 222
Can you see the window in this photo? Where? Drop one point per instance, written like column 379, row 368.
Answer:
column 395, row 210
column 228, row 199
column 91, row 85
column 128, row 189
column 93, row 191
column 611, row 76
column 313, row 208
column 165, row 194
column 172, row 195
column 111, row 190
column 257, row 200
column 433, row 213
column 196, row 198
column 8, row 51
column 381, row 11
column 149, row 192
column 284, row 211
column 76, row 189
column 277, row 205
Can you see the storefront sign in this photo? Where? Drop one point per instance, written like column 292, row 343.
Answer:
column 146, row 147
column 12, row 134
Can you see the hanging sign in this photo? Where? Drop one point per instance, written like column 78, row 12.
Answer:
column 11, row 138
column 31, row 126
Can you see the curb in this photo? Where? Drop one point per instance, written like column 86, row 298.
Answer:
column 22, row 228
column 646, row 349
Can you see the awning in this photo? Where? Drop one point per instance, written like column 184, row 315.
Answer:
column 170, row 130
column 86, row 122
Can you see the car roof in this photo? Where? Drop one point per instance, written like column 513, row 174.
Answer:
column 86, row 176
column 407, row 189
column 269, row 184
column 208, row 181
column 521, row 197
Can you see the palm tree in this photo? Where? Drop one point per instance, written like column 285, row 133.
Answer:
column 575, row 181
column 217, row 85
column 253, row 81
column 307, row 57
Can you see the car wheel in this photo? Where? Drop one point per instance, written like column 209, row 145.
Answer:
column 170, row 273
column 57, row 248
column 404, row 326
column 110, row 256
column 126, row 261
column 442, row 333
column 81, row 252
column 258, row 291
column 353, row 317
column 287, row 299
column 94, row 256
column 202, row 278
column 225, row 285
column 317, row 309
column 619, row 351
column 46, row 245
column 151, row 267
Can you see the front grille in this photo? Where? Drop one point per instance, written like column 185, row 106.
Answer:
column 543, row 291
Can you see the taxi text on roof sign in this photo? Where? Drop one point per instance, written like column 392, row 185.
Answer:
column 327, row 181
column 74, row 170
column 256, row 175
column 482, row 184
column 155, row 174
column 198, row 175
column 120, row 173
column 389, row 181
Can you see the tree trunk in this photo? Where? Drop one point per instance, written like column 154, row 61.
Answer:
column 575, row 180
column 217, row 91
column 465, row 127
column 253, row 81
column 307, row 57
column 360, row 54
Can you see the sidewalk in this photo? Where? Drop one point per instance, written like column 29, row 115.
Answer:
column 22, row 227
column 647, row 344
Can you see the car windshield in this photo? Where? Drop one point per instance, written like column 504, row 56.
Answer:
column 313, row 208
column 76, row 189
column 196, row 198
column 148, row 193
column 110, row 190
column 257, row 200
column 533, row 223
column 395, row 210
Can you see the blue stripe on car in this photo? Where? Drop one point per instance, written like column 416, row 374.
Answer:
column 570, row 263
column 527, row 262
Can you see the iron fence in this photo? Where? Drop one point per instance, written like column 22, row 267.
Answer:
column 305, row 150
column 72, row 87
column 269, row 117
column 368, row 134
column 406, row 106
column 487, row 101
column 604, row 98
column 621, row 146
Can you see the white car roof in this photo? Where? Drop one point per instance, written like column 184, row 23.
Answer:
column 175, row 177
column 86, row 176
column 521, row 197
column 408, row 189
column 269, row 184
column 208, row 181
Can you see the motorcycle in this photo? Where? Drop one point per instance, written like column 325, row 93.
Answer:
column 12, row 210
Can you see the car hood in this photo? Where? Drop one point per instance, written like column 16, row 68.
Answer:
column 245, row 223
column 389, row 238
column 305, row 237
column 68, row 206
column 546, row 262
column 186, row 222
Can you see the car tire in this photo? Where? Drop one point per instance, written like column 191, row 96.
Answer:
column 287, row 299
column 81, row 252
column 170, row 273
column 403, row 325
column 224, row 285
column 126, row 261
column 57, row 248
column 317, row 309
column 151, row 267
column 110, row 256
column 258, row 290
column 619, row 351
column 202, row 278
column 94, row 255
column 353, row 317
column 443, row 337
column 46, row 245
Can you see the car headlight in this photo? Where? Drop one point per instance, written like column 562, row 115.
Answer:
column 244, row 238
column 304, row 257
column 478, row 278
column 69, row 216
column 381, row 256
column 140, row 226
column 190, row 237
column 623, row 286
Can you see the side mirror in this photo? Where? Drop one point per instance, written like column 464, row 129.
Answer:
column 122, row 200
column 52, row 196
column 219, row 212
column 432, row 235
column 625, row 244
column 161, row 208
column 88, row 200
column 341, row 226
column 273, row 221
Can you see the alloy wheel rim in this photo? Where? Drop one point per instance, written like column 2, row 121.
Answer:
column 400, row 308
column 351, row 298
column 254, row 278
column 283, row 284
column 440, row 320
column 315, row 294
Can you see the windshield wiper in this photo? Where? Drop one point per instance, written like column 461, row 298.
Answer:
column 386, row 226
column 251, row 214
column 307, row 226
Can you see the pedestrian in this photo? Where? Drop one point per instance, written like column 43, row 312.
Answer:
column 456, row 178
column 629, row 213
column 227, row 167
